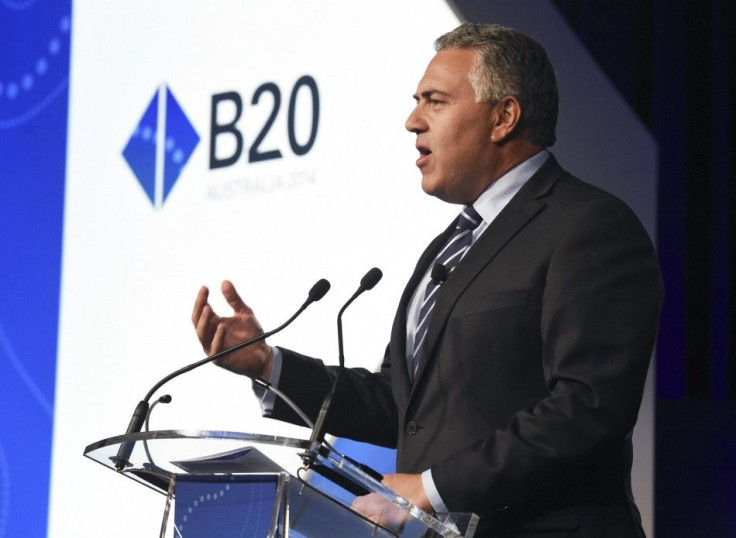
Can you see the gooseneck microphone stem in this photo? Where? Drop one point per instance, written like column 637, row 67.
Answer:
column 139, row 415
column 370, row 279
column 265, row 385
column 340, row 347
column 224, row 352
column 318, row 431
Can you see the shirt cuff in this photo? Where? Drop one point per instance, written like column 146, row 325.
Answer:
column 438, row 505
column 267, row 397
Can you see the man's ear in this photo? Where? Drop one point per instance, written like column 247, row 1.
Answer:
column 506, row 117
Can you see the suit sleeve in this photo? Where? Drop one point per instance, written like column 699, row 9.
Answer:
column 599, row 317
column 363, row 408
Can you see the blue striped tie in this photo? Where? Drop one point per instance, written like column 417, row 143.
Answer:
column 450, row 256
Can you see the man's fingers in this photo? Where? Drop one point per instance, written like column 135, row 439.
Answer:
column 233, row 299
column 218, row 339
column 379, row 510
column 199, row 304
column 206, row 326
column 377, row 519
column 362, row 506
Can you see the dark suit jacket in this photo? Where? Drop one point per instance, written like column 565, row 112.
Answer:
column 533, row 369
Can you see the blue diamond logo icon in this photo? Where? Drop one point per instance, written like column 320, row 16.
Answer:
column 160, row 146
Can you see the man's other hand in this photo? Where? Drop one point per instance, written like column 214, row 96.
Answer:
column 410, row 487
column 387, row 514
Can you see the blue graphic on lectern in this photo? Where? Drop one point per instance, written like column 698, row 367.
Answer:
column 206, row 506
column 160, row 146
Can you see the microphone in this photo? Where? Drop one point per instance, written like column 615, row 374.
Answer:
column 139, row 415
column 370, row 279
column 439, row 274
column 368, row 282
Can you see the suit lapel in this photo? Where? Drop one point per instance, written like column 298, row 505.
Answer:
column 519, row 211
column 399, row 370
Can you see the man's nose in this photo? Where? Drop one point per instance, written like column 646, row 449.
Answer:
column 415, row 123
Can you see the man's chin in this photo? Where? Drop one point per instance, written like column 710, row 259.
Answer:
column 431, row 186
column 435, row 188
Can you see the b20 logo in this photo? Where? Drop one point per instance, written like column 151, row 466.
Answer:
column 257, row 152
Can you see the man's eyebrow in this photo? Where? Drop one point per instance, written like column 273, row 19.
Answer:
column 428, row 94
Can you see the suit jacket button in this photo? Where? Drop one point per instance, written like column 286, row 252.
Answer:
column 411, row 428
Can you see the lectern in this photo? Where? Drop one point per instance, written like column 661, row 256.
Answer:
column 220, row 484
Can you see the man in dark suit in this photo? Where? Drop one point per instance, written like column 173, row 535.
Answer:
column 513, row 378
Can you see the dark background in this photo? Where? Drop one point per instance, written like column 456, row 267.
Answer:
column 673, row 61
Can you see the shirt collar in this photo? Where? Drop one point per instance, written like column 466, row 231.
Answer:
column 492, row 200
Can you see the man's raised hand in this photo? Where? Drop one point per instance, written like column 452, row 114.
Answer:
column 216, row 333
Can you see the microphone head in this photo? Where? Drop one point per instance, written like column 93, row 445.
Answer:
column 371, row 278
column 319, row 289
column 439, row 273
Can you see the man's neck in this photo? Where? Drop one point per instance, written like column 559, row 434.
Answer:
column 515, row 152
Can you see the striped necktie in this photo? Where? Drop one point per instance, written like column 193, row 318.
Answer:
column 454, row 250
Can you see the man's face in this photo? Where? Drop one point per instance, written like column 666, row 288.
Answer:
column 453, row 131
